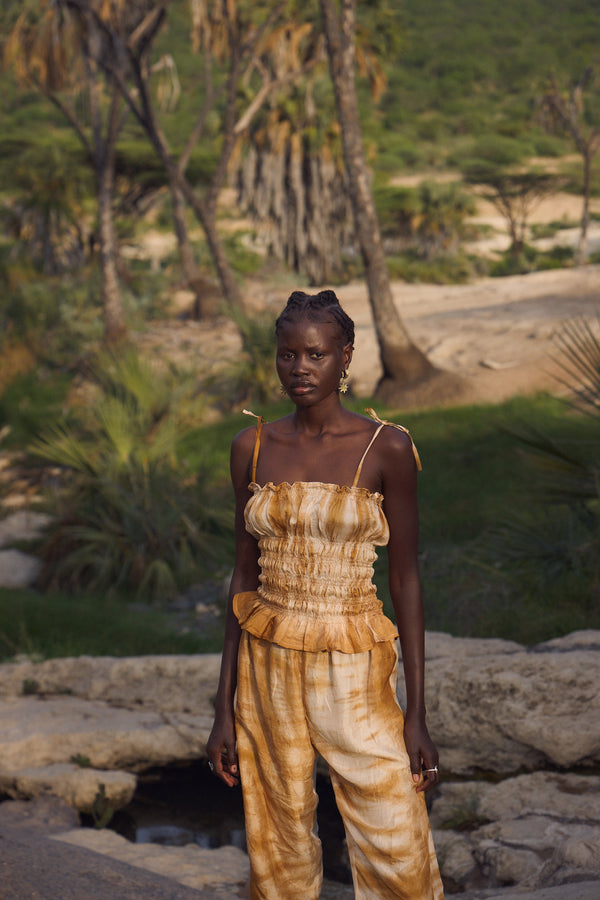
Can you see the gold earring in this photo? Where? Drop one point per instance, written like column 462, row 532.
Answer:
column 343, row 385
column 283, row 391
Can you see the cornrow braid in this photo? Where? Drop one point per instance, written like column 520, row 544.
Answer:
column 321, row 307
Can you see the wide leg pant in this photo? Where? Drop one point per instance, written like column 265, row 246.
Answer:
column 293, row 704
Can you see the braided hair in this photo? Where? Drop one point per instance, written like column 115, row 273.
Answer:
column 321, row 307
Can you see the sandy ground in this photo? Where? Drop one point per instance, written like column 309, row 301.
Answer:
column 496, row 334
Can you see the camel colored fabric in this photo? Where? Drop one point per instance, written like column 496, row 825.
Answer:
column 316, row 559
column 317, row 675
column 293, row 704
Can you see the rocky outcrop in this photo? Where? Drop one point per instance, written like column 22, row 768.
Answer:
column 494, row 706
column 68, row 726
column 533, row 830
column 19, row 569
column 495, row 709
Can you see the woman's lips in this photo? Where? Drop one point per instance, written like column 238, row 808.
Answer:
column 301, row 388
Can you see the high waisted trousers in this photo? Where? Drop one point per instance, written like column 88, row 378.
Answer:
column 293, row 705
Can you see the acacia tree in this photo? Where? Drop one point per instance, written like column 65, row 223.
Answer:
column 401, row 359
column 49, row 49
column 568, row 113
column 514, row 194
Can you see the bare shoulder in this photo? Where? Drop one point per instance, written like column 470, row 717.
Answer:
column 394, row 450
column 243, row 440
column 241, row 456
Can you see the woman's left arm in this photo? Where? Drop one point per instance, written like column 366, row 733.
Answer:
column 399, row 476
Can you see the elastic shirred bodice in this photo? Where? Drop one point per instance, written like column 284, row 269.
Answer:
column 317, row 548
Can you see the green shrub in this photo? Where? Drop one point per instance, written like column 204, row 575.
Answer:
column 132, row 513
column 443, row 269
column 558, row 531
column 251, row 378
column 530, row 259
column 32, row 402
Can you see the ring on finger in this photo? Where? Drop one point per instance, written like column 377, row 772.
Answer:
column 211, row 766
column 434, row 769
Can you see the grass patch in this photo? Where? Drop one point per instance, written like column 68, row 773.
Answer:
column 31, row 402
column 475, row 474
column 56, row 625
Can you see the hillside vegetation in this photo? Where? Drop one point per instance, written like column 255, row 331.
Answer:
column 459, row 70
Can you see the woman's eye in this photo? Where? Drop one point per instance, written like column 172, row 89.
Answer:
column 318, row 355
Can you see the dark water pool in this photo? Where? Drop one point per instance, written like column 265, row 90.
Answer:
column 183, row 805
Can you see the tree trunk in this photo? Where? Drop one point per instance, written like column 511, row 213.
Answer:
column 585, row 215
column 205, row 212
column 401, row 360
column 204, row 300
column 112, row 303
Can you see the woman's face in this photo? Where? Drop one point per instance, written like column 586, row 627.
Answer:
column 310, row 360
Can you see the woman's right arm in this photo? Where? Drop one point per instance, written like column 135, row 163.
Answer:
column 221, row 746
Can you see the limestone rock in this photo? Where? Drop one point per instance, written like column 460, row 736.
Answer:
column 534, row 830
column 576, row 640
column 39, row 738
column 438, row 644
column 78, row 787
column 524, row 709
column 46, row 814
column 191, row 865
column 560, row 794
column 18, row 569
column 506, row 865
column 455, row 857
column 22, row 525
column 165, row 683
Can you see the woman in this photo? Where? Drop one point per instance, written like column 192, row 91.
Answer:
column 307, row 647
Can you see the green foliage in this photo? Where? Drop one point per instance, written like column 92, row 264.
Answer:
column 459, row 515
column 447, row 268
column 43, row 215
column 134, row 514
column 102, row 811
column 488, row 154
column 31, row 402
column 558, row 531
column 79, row 759
column 54, row 625
column 251, row 377
column 530, row 259
column 430, row 222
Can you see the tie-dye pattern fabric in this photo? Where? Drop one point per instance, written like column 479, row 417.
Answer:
column 316, row 675
column 294, row 704
column 316, row 558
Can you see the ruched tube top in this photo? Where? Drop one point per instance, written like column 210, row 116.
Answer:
column 317, row 548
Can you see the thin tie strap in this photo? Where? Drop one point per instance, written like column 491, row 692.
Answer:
column 259, row 424
column 362, row 459
column 383, row 422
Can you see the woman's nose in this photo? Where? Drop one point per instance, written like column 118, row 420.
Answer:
column 300, row 365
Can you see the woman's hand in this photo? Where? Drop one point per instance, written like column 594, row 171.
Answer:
column 221, row 752
column 423, row 755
